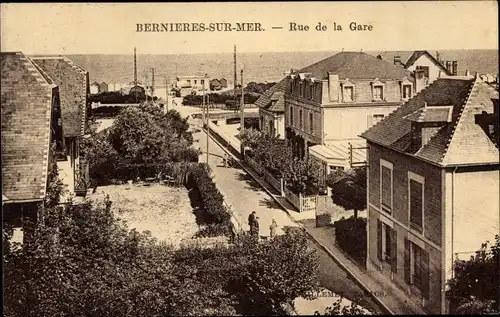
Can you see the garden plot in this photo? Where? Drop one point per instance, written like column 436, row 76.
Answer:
column 165, row 211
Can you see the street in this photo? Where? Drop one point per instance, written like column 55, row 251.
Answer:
column 245, row 196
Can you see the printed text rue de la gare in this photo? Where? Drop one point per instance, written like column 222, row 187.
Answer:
column 248, row 27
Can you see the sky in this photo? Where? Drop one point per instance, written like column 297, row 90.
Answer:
column 110, row 28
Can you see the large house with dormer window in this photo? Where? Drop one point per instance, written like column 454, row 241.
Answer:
column 328, row 104
column 433, row 179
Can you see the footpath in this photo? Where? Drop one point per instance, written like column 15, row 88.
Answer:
column 393, row 300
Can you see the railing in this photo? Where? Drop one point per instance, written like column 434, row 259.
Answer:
column 256, row 167
column 81, row 178
column 308, row 203
column 277, row 184
column 292, row 198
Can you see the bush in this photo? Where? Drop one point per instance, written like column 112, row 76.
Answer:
column 350, row 235
column 212, row 199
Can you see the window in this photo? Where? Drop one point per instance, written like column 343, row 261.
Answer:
column 348, row 93
column 378, row 92
column 387, row 245
column 300, row 119
column 377, row 118
column 313, row 92
column 335, row 168
column 406, row 91
column 195, row 81
column 425, row 69
column 311, row 123
column 291, row 116
column 416, row 263
column 416, row 201
column 386, row 186
column 202, row 82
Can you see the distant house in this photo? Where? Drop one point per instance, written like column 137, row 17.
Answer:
column 95, row 88
column 432, row 68
column 32, row 133
column 196, row 84
column 215, row 84
column 433, row 179
column 223, row 82
column 272, row 110
column 103, row 87
column 73, row 83
column 138, row 91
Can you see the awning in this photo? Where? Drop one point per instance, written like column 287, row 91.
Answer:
column 337, row 153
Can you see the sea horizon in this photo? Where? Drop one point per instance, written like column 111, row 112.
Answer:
column 258, row 67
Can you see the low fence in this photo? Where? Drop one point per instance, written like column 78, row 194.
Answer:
column 300, row 202
column 256, row 167
column 277, row 184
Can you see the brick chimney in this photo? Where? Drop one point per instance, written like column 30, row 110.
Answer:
column 454, row 68
column 489, row 122
column 333, row 87
column 397, row 61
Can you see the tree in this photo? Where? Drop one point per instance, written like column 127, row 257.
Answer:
column 335, row 309
column 274, row 273
column 250, row 137
column 85, row 262
column 302, row 176
column 474, row 286
column 254, row 87
column 349, row 189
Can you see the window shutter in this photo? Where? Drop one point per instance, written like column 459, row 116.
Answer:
column 394, row 251
column 379, row 240
column 407, row 260
column 425, row 274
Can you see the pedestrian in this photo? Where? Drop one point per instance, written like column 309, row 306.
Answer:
column 224, row 159
column 251, row 219
column 255, row 230
column 272, row 229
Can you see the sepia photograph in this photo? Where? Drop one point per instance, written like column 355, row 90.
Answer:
column 250, row 158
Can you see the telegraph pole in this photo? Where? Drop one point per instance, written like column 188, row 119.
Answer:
column 207, row 127
column 152, row 83
column 242, row 104
column 166, row 93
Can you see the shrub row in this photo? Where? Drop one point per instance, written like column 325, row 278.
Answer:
column 213, row 202
column 350, row 235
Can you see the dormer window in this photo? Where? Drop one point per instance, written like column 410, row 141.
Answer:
column 378, row 90
column 426, row 122
column 347, row 91
column 406, row 89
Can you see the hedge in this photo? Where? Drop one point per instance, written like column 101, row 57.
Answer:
column 213, row 202
column 350, row 235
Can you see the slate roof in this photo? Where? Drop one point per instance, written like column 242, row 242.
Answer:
column 417, row 54
column 26, row 101
column 431, row 114
column 355, row 65
column 459, row 142
column 275, row 93
column 72, row 81
column 481, row 61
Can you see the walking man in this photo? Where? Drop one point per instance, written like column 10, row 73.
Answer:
column 256, row 227
column 251, row 220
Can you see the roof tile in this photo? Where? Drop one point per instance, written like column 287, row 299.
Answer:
column 26, row 100
column 72, row 81
column 459, row 142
